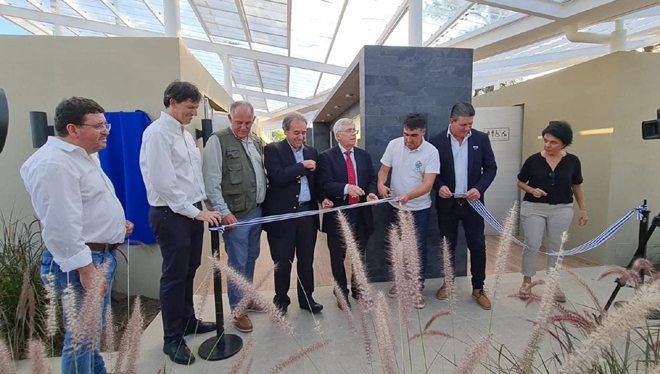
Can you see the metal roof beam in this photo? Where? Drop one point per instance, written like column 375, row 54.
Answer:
column 396, row 18
column 264, row 95
column 455, row 17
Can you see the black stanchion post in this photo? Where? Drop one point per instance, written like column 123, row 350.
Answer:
column 222, row 345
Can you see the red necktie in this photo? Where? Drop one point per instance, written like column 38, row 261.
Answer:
column 351, row 177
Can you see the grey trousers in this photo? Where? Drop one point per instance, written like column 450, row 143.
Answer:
column 540, row 218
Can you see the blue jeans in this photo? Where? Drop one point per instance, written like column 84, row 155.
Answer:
column 243, row 245
column 422, row 219
column 85, row 359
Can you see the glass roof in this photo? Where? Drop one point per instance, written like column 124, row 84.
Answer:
column 304, row 44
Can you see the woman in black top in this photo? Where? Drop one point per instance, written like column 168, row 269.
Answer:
column 550, row 179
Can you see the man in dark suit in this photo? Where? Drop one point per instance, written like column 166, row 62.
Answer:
column 467, row 168
column 291, row 166
column 346, row 176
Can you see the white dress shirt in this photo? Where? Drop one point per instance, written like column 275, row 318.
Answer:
column 408, row 170
column 343, row 153
column 460, row 152
column 212, row 168
column 171, row 166
column 74, row 200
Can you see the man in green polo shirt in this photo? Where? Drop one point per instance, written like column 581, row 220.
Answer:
column 235, row 183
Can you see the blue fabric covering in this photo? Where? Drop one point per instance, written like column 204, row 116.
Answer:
column 121, row 162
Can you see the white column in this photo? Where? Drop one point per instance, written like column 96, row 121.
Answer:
column 415, row 23
column 57, row 28
column 226, row 64
column 618, row 39
column 172, row 18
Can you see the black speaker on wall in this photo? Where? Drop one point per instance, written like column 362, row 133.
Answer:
column 40, row 129
column 4, row 119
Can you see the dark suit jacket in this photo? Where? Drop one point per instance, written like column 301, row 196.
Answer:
column 284, row 175
column 481, row 166
column 333, row 177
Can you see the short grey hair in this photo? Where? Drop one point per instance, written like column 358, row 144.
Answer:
column 240, row 104
column 293, row 116
column 339, row 125
column 463, row 109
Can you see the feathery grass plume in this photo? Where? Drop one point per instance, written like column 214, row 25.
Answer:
column 545, row 312
column 364, row 326
column 586, row 287
column 504, row 249
column 531, row 285
column 339, row 294
column 436, row 316
column 129, row 345
column 245, row 300
column 70, row 298
column 86, row 329
column 21, row 308
column 251, row 293
column 385, row 334
column 626, row 276
column 429, row 333
column 109, row 329
column 407, row 277
column 616, row 323
column 205, row 289
column 37, row 357
column 248, row 367
column 448, row 274
column 242, row 356
column 6, row 362
column 472, row 356
column 644, row 266
column 32, row 310
column 297, row 356
column 52, row 324
column 396, row 258
column 353, row 254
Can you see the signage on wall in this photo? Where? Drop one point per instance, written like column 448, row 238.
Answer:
column 498, row 133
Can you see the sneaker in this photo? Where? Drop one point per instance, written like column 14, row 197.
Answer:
column 421, row 303
column 253, row 307
column 559, row 296
column 392, row 293
column 243, row 323
column 442, row 293
column 481, row 298
column 524, row 288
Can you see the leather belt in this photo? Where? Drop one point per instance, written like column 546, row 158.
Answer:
column 100, row 247
column 461, row 201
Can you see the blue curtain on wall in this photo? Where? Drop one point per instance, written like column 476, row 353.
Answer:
column 121, row 162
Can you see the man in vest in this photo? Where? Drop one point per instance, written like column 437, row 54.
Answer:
column 235, row 183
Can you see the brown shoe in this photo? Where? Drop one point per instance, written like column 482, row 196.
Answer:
column 253, row 307
column 442, row 293
column 559, row 296
column 392, row 293
column 481, row 298
column 243, row 323
column 421, row 303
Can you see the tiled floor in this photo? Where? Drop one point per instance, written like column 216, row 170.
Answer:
column 345, row 354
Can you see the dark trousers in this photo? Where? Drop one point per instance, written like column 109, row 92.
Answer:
column 298, row 241
column 473, row 225
column 338, row 255
column 180, row 239
column 422, row 219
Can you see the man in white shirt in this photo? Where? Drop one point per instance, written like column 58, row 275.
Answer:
column 414, row 163
column 171, row 166
column 82, row 220
column 236, row 187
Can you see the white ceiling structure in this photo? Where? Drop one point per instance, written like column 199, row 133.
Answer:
column 280, row 54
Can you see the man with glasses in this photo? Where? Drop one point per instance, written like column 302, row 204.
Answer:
column 81, row 218
column 467, row 169
column 236, row 187
column 171, row 166
column 346, row 176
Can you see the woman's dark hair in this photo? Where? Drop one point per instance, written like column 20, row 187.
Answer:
column 414, row 121
column 180, row 92
column 560, row 130
column 73, row 111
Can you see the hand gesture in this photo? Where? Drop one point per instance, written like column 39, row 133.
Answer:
column 213, row 218
column 309, row 164
column 444, row 192
column 473, row 194
column 355, row 191
column 383, row 191
column 539, row 193
column 327, row 204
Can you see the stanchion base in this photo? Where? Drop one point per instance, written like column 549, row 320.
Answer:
column 214, row 349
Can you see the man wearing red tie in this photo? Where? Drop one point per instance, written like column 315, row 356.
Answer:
column 346, row 176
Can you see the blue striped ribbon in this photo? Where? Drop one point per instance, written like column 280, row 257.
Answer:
column 282, row 217
column 591, row 244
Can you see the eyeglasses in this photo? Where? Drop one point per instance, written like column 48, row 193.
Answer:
column 100, row 126
column 351, row 131
column 552, row 178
